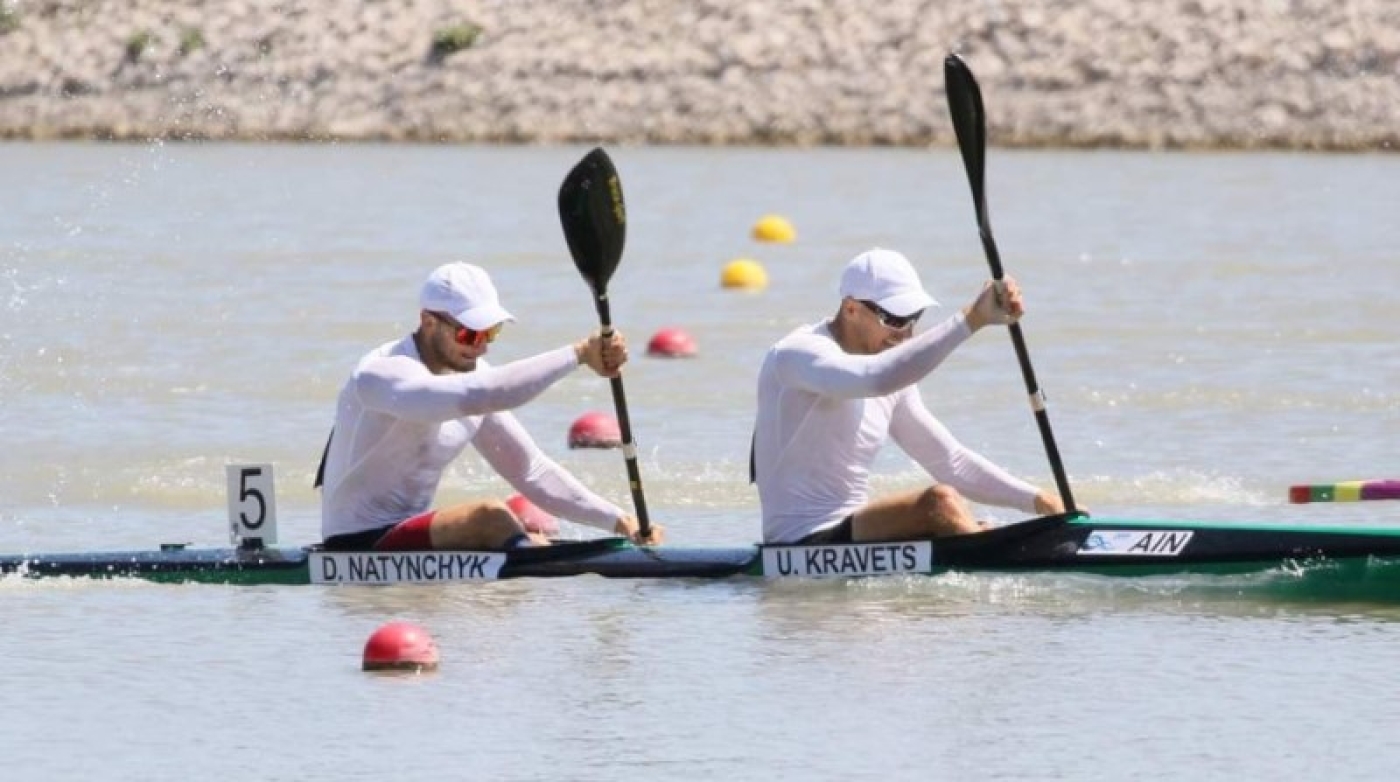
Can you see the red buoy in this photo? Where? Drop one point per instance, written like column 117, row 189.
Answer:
column 671, row 343
column 595, row 430
column 534, row 519
column 400, row 646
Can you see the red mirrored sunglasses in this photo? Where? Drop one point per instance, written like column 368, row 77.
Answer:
column 466, row 336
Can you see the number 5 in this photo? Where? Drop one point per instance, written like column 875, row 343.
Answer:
column 252, row 508
column 245, row 492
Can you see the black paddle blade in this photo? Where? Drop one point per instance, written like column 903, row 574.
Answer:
column 594, row 218
column 970, row 125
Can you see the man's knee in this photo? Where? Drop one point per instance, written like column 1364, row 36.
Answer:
column 483, row 512
column 496, row 509
column 941, row 501
column 488, row 522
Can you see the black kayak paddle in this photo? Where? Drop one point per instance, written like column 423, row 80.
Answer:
column 595, row 225
column 970, row 124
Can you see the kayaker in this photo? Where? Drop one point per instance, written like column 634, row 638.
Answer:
column 832, row 393
column 412, row 405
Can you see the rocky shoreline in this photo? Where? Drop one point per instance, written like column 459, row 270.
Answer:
column 1291, row 74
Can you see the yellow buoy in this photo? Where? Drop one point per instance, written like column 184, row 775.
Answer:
column 743, row 273
column 774, row 228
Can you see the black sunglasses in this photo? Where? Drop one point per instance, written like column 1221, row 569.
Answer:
column 889, row 320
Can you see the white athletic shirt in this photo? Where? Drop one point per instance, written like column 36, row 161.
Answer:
column 823, row 415
column 398, row 426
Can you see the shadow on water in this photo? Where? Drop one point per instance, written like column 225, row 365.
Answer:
column 843, row 606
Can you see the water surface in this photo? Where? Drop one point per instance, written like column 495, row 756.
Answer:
column 1209, row 328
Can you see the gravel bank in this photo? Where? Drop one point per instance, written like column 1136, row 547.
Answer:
column 1303, row 74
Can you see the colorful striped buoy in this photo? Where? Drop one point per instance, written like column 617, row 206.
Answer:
column 1345, row 491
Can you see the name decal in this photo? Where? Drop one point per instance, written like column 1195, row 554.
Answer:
column 1136, row 543
column 853, row 559
column 417, row 567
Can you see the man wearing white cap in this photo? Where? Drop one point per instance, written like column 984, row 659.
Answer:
column 412, row 405
column 830, row 394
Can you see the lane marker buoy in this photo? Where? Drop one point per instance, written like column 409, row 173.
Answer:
column 401, row 646
column 671, row 343
column 595, row 430
column 743, row 273
column 774, row 228
column 1345, row 491
column 530, row 514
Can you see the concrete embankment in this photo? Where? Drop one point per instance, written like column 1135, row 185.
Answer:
column 1306, row 74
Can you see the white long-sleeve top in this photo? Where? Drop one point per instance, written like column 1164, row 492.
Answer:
column 823, row 415
column 398, row 426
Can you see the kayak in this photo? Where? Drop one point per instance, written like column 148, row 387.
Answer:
column 1074, row 544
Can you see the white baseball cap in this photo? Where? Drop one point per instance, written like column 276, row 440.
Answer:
column 465, row 292
column 888, row 279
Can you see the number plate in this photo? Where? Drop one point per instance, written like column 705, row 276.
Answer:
column 252, row 506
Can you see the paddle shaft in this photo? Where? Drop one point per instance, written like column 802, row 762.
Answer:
column 970, row 123
column 1033, row 390
column 624, row 423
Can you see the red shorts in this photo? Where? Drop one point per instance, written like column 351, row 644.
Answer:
column 411, row 534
